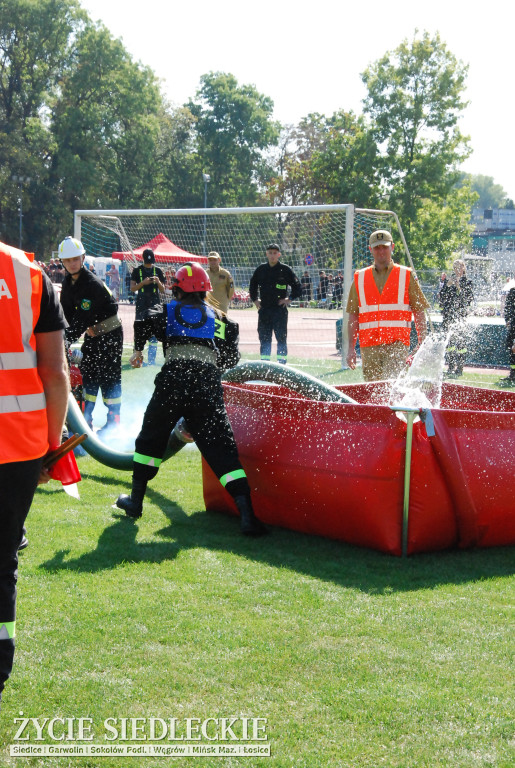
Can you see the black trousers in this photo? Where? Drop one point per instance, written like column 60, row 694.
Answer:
column 18, row 482
column 510, row 341
column 273, row 319
column 145, row 330
column 193, row 390
column 101, row 369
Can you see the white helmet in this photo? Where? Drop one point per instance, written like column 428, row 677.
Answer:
column 70, row 248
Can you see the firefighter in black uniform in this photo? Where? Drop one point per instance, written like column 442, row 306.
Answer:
column 89, row 307
column 509, row 316
column 269, row 291
column 147, row 282
column 189, row 386
column 456, row 296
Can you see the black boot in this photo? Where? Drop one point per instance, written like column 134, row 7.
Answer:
column 509, row 381
column 133, row 504
column 249, row 523
column 24, row 543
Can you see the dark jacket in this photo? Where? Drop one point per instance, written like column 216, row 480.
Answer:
column 272, row 284
column 455, row 300
column 86, row 302
column 509, row 316
column 148, row 298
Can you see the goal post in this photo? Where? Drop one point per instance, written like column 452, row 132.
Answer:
column 314, row 239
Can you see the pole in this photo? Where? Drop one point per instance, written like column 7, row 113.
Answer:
column 205, row 206
column 20, row 180
column 206, row 178
column 410, row 414
column 20, row 210
column 347, row 279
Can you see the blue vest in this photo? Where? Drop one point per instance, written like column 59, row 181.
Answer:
column 187, row 321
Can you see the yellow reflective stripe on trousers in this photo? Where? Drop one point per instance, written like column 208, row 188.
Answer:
column 234, row 475
column 7, row 630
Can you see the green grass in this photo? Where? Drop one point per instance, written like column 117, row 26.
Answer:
column 356, row 659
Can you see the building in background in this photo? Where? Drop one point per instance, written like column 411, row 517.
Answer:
column 494, row 237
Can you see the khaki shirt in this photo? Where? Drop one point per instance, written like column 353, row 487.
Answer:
column 223, row 289
column 417, row 300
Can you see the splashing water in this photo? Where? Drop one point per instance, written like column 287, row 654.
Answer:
column 421, row 385
column 123, row 435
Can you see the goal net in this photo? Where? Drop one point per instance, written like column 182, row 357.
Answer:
column 322, row 244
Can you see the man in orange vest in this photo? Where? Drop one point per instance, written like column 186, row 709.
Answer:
column 382, row 300
column 33, row 401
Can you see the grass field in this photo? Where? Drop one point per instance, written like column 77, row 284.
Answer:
column 354, row 658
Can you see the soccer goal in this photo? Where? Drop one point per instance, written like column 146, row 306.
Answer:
column 323, row 244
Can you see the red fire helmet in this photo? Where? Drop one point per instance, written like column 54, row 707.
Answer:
column 191, row 278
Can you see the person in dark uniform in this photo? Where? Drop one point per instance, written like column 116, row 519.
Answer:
column 148, row 283
column 509, row 317
column 456, row 296
column 189, row 386
column 33, row 402
column 89, row 307
column 269, row 291
column 305, row 282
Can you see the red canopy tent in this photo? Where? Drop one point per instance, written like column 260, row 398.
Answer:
column 165, row 252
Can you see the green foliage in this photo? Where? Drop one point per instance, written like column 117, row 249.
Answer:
column 233, row 127
column 415, row 97
column 33, row 52
column 79, row 117
column 345, row 165
column 324, row 160
column 491, row 195
column 443, row 228
column 176, row 168
column 89, row 126
column 105, row 123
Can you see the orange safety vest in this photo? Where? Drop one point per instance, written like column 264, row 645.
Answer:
column 384, row 318
column 23, row 418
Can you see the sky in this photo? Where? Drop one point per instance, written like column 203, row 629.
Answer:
column 309, row 57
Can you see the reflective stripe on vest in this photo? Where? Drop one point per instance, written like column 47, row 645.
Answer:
column 385, row 317
column 23, row 421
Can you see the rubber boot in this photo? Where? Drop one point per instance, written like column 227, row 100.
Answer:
column 133, row 504
column 508, row 381
column 24, row 543
column 249, row 523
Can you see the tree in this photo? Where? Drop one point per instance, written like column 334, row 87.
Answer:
column 415, row 98
column 176, row 167
column 77, row 116
column 233, row 128
column 491, row 195
column 33, row 51
column 288, row 179
column 443, row 228
column 105, row 122
column 325, row 160
column 344, row 166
